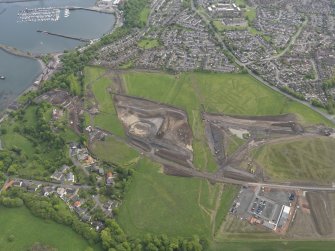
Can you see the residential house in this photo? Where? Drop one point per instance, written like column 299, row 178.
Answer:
column 109, row 178
column 69, row 177
column 48, row 190
column 57, row 176
column 17, row 183
column 61, row 191
column 33, row 187
column 77, row 203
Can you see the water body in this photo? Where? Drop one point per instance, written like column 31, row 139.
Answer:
column 80, row 23
column 21, row 72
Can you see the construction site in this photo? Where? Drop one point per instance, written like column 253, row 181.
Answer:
column 159, row 129
column 233, row 138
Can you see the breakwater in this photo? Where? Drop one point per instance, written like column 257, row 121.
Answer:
column 64, row 36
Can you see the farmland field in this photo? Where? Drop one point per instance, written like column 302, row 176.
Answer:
column 28, row 229
column 299, row 160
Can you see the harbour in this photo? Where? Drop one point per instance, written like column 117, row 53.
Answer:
column 36, row 28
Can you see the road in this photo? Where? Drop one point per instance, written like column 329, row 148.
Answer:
column 217, row 177
column 47, row 183
column 78, row 164
column 291, row 42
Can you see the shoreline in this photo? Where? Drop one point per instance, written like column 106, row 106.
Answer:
column 46, row 72
column 38, row 77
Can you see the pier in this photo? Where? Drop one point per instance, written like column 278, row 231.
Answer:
column 65, row 36
column 94, row 8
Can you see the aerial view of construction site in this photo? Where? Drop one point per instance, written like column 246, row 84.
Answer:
column 279, row 185
column 167, row 125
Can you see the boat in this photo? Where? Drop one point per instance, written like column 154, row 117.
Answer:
column 66, row 13
column 2, row 77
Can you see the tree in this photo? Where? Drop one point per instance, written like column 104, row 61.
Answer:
column 11, row 238
column 12, row 169
column 11, row 202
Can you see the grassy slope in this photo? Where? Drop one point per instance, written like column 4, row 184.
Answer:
column 12, row 139
column 29, row 229
column 178, row 206
column 92, row 74
column 227, row 198
column 225, row 93
column 299, row 160
column 160, row 204
column 107, row 118
column 74, row 84
column 114, row 151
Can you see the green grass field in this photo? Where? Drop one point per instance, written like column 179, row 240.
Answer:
column 148, row 43
column 144, row 14
column 92, row 73
column 221, row 27
column 113, row 151
column 234, row 143
column 310, row 159
column 250, row 14
column 160, row 204
column 12, row 139
column 28, row 229
column 227, row 198
column 74, row 85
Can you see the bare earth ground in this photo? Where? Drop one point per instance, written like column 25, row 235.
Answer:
column 159, row 128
